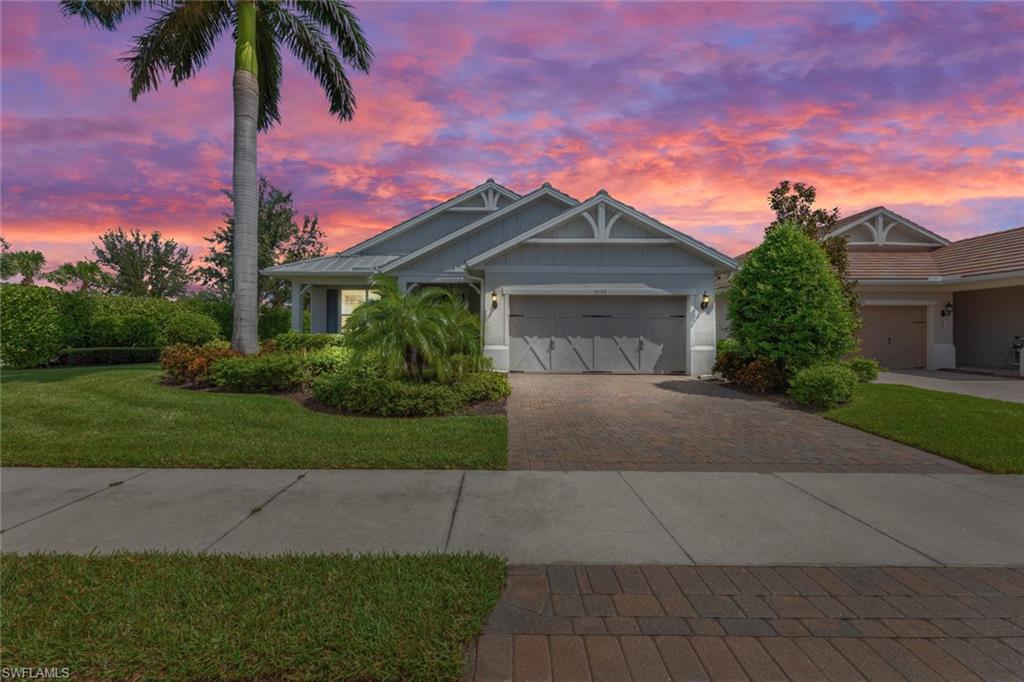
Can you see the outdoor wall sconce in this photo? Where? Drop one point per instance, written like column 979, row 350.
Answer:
column 494, row 299
column 947, row 310
column 705, row 301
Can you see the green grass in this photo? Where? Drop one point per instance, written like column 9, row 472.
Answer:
column 182, row 616
column 985, row 434
column 123, row 417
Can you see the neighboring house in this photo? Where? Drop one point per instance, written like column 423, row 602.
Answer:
column 928, row 302
column 560, row 285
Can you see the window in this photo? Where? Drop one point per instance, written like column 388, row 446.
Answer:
column 350, row 299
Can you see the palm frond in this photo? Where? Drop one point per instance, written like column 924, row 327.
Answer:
column 178, row 42
column 307, row 42
column 107, row 14
column 268, row 56
column 340, row 21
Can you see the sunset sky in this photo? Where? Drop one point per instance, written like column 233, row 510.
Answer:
column 690, row 112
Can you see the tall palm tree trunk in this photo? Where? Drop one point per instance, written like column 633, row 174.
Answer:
column 245, row 337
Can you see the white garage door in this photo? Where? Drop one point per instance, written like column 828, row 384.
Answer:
column 598, row 334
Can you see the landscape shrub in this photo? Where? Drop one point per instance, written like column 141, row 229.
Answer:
column 728, row 362
column 370, row 391
column 761, row 375
column 222, row 311
column 484, row 386
column 273, row 322
column 76, row 311
column 305, row 341
column 31, row 332
column 184, row 364
column 191, row 327
column 270, row 373
column 326, row 360
column 108, row 330
column 786, row 304
column 74, row 357
column 866, row 369
column 824, row 385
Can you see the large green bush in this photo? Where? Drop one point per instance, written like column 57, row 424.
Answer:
column 787, row 305
column 484, row 386
column 326, row 360
column 31, row 332
column 191, row 327
column 823, row 385
column 270, row 373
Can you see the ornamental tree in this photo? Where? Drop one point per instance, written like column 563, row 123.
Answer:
column 786, row 303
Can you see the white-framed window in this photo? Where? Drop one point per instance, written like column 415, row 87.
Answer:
column 350, row 299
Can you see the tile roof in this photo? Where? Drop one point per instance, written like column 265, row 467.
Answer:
column 988, row 254
column 983, row 255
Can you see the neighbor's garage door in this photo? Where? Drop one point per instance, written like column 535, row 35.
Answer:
column 598, row 334
column 894, row 335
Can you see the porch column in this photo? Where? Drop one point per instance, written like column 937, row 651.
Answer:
column 296, row 306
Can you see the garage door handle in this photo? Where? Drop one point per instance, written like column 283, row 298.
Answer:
column 551, row 345
column 641, row 344
column 889, row 340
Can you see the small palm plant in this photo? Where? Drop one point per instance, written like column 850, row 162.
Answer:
column 414, row 334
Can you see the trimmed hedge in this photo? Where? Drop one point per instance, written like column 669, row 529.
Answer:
column 31, row 331
column 824, row 385
column 866, row 369
column 304, row 341
column 326, row 360
column 369, row 391
column 270, row 373
column 191, row 327
column 109, row 356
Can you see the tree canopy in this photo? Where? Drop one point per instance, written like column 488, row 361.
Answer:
column 142, row 265
column 281, row 240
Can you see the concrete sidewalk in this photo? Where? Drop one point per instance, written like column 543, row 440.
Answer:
column 528, row 517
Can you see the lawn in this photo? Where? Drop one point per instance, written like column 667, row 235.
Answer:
column 985, row 434
column 123, row 417
column 183, row 616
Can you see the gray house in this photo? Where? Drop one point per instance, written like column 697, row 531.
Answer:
column 560, row 285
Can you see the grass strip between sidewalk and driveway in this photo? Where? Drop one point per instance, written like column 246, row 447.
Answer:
column 183, row 616
column 123, row 417
column 982, row 433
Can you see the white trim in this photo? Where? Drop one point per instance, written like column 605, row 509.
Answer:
column 880, row 232
column 472, row 227
column 427, row 215
column 589, row 290
column 604, row 241
column 600, row 199
column 469, row 209
column 599, row 269
column 944, row 281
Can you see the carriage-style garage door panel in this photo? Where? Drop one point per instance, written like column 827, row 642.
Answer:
column 598, row 334
column 894, row 335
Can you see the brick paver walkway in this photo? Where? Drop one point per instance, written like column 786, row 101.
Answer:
column 733, row 623
column 673, row 423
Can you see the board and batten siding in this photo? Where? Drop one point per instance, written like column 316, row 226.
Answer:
column 456, row 253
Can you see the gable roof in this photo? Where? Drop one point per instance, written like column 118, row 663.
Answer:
column 862, row 217
column 545, row 190
column 984, row 255
column 403, row 226
column 603, row 197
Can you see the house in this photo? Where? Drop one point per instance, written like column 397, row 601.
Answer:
column 927, row 302
column 560, row 285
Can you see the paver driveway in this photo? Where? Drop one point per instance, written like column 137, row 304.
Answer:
column 675, row 423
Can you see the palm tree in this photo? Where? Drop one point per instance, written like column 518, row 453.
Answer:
column 409, row 332
column 324, row 35
column 87, row 273
column 28, row 264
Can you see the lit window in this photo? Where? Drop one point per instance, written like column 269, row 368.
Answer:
column 351, row 299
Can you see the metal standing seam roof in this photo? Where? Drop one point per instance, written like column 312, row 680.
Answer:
column 332, row 265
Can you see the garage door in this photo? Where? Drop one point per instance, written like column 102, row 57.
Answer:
column 597, row 334
column 894, row 335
